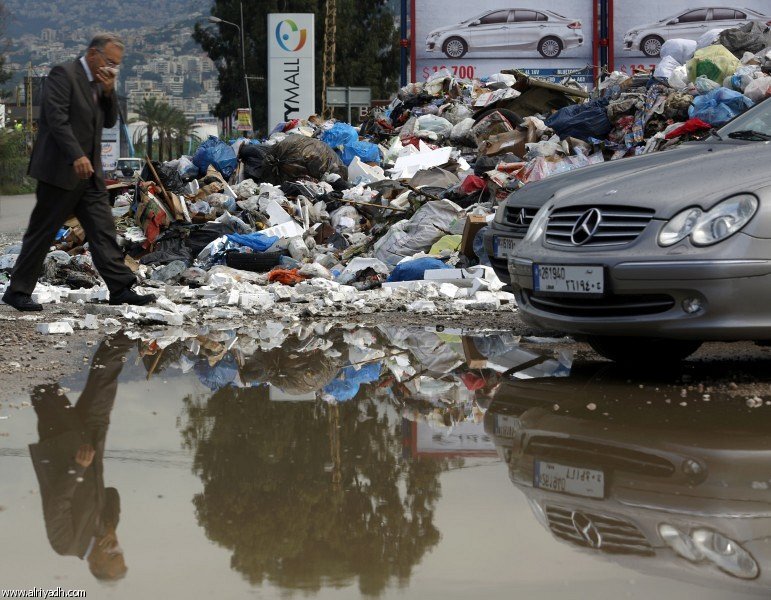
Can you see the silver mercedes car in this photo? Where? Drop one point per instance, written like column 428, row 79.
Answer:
column 648, row 257
column 508, row 29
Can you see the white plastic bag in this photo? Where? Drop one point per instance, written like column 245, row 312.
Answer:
column 434, row 124
column 679, row 78
column 679, row 49
column 759, row 89
column 666, row 67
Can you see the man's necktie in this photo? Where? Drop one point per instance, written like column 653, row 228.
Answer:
column 95, row 91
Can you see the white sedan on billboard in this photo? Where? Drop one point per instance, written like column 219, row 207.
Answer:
column 690, row 24
column 506, row 30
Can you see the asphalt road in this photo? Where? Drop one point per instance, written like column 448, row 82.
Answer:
column 15, row 212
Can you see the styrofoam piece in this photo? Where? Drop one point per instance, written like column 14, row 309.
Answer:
column 361, row 172
column 289, row 229
column 276, row 214
column 260, row 300
column 91, row 322
column 57, row 327
column 448, row 290
column 421, row 306
column 422, row 160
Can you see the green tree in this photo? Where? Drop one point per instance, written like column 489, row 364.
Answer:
column 182, row 130
column 149, row 111
column 305, row 494
column 5, row 75
column 367, row 48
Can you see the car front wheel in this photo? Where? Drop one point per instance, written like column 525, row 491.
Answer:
column 455, row 47
column 550, row 47
column 642, row 351
column 651, row 45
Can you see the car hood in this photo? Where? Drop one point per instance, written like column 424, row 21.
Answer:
column 697, row 174
column 441, row 30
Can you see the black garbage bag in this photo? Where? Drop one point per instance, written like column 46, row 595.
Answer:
column 168, row 250
column 750, row 37
column 253, row 157
column 298, row 156
column 582, row 121
column 169, row 176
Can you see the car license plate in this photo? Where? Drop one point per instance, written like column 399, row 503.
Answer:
column 569, row 279
column 503, row 247
column 589, row 483
column 506, row 425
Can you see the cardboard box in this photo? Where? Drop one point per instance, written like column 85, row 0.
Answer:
column 474, row 359
column 473, row 224
column 512, row 141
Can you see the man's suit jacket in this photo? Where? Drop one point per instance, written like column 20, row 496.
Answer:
column 74, row 511
column 70, row 126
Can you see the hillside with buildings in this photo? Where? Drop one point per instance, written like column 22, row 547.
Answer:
column 161, row 59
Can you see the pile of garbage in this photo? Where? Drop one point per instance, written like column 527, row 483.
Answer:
column 323, row 218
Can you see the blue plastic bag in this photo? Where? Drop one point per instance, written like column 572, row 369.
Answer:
column 341, row 134
column 719, row 106
column 348, row 381
column 366, row 151
column 414, row 270
column 217, row 153
column 256, row 241
column 581, row 121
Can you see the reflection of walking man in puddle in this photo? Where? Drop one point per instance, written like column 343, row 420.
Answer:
column 81, row 515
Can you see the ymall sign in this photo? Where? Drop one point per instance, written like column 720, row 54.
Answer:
column 291, row 79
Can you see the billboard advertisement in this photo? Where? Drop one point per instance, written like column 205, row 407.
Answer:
column 640, row 28
column 111, row 147
column 475, row 39
column 291, row 77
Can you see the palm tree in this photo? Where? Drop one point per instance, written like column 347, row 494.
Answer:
column 150, row 111
column 183, row 131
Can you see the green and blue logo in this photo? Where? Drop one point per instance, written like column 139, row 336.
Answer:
column 286, row 30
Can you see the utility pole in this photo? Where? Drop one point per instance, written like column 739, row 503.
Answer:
column 28, row 97
column 330, row 45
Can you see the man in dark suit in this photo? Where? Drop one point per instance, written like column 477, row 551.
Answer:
column 81, row 515
column 78, row 100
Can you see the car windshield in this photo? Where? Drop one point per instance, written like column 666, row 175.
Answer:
column 757, row 119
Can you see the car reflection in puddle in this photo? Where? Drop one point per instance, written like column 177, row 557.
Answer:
column 81, row 514
column 319, row 448
column 669, row 477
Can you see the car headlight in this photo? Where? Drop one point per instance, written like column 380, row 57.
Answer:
column 680, row 542
column 538, row 226
column 679, row 227
column 711, row 227
column 632, row 33
column 724, row 220
column 726, row 554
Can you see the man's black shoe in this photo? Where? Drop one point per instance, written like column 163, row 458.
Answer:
column 21, row 301
column 129, row 296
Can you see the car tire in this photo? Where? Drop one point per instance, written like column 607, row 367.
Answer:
column 651, row 46
column 455, row 47
column 259, row 262
column 513, row 118
column 642, row 351
column 550, row 47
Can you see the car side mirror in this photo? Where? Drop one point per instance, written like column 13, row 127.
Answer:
column 474, row 23
column 673, row 22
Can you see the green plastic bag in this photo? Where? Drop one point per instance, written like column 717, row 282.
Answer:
column 448, row 242
column 714, row 62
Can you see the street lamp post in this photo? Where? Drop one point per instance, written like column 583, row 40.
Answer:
column 243, row 56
